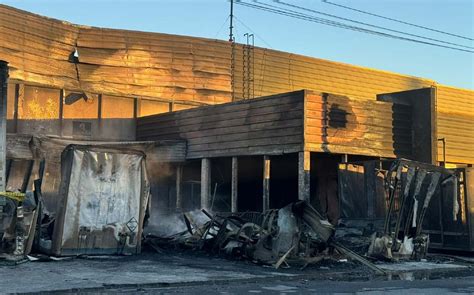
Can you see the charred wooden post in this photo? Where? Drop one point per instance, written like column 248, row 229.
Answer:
column 266, row 183
column 179, row 180
column 234, row 184
column 3, row 123
column 205, row 183
column 370, row 177
column 303, row 175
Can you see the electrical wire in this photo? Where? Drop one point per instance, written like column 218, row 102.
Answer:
column 398, row 21
column 256, row 35
column 314, row 19
column 218, row 32
column 366, row 24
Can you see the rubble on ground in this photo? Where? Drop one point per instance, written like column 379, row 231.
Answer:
column 296, row 235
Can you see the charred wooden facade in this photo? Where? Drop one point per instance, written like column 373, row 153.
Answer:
column 124, row 75
column 307, row 130
column 291, row 122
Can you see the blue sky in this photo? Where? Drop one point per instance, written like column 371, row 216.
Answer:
column 206, row 18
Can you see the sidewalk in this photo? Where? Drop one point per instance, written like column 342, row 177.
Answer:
column 178, row 269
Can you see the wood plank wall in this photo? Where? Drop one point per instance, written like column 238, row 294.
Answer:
column 339, row 124
column 262, row 126
column 455, row 122
column 114, row 62
column 197, row 71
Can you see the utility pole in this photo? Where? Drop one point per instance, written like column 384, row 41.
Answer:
column 231, row 27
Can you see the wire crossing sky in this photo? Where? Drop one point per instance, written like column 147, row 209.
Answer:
column 370, row 33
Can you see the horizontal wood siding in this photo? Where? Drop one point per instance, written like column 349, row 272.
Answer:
column 37, row 48
column 115, row 62
column 197, row 71
column 455, row 123
column 277, row 72
column 338, row 124
column 270, row 125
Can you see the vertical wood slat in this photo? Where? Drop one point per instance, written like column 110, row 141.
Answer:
column 205, row 183
column 234, row 185
column 266, row 183
column 179, row 196
column 304, row 175
column 15, row 105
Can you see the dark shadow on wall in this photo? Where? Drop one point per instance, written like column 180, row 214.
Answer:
column 414, row 127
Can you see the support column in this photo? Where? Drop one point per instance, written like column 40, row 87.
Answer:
column 234, row 184
column 179, row 180
column 205, row 183
column 370, row 177
column 304, row 168
column 266, row 183
column 61, row 111
column 3, row 123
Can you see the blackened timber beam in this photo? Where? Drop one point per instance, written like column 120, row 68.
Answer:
column 3, row 123
column 205, row 183
column 234, row 184
column 15, row 106
column 266, row 183
column 179, row 194
column 303, row 175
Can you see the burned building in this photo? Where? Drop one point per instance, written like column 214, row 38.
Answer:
column 280, row 126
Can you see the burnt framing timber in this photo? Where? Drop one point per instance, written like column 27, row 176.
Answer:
column 301, row 123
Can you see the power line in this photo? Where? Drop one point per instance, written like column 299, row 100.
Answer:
column 310, row 18
column 248, row 28
column 218, row 32
column 398, row 21
column 367, row 24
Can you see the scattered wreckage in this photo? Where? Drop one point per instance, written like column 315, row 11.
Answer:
column 101, row 209
column 104, row 203
column 296, row 234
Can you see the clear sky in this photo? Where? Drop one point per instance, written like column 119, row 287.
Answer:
column 207, row 18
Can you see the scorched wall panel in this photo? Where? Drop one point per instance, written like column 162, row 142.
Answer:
column 269, row 125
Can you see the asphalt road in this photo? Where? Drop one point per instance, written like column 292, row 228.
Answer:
column 441, row 286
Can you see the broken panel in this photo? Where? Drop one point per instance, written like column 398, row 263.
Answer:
column 103, row 197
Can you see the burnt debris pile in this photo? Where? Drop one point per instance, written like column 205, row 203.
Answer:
column 294, row 235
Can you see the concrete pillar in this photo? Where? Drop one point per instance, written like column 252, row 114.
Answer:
column 179, row 180
column 266, row 183
column 304, row 161
column 3, row 123
column 234, row 185
column 205, row 183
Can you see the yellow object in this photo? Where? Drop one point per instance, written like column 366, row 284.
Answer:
column 20, row 197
